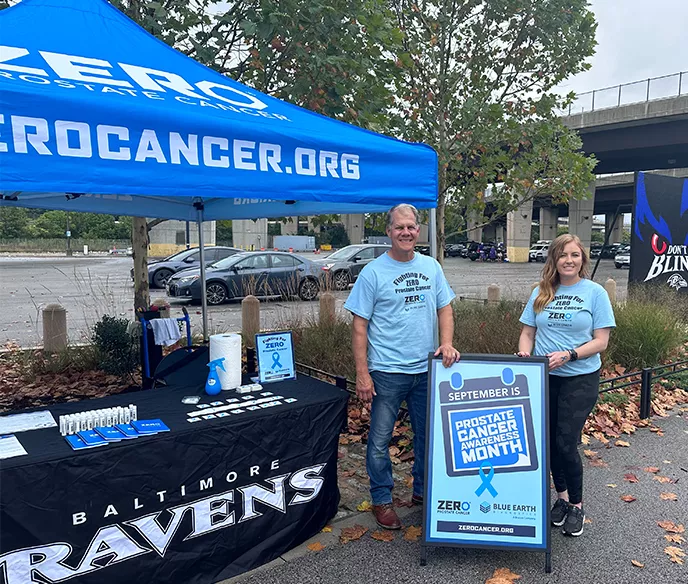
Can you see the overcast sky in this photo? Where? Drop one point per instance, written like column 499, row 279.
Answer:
column 636, row 39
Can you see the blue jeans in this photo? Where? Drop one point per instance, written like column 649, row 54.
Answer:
column 391, row 389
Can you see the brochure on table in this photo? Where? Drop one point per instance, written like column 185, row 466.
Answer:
column 487, row 475
column 275, row 352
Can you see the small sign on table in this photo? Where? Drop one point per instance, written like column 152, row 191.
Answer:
column 275, row 352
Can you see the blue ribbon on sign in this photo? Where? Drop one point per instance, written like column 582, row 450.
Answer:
column 487, row 481
column 275, row 360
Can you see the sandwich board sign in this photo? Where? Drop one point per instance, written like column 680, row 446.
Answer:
column 487, row 461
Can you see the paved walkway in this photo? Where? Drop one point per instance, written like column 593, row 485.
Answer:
column 618, row 533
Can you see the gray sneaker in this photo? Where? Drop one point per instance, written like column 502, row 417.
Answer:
column 574, row 521
column 559, row 512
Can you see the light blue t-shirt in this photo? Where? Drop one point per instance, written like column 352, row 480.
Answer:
column 400, row 301
column 569, row 321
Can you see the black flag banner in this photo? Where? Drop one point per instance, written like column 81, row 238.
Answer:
column 659, row 236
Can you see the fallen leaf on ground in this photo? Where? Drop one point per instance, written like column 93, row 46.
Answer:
column 365, row 506
column 412, row 533
column 652, row 469
column 352, row 533
column 666, row 462
column 327, row 529
column 316, row 547
column 612, row 486
column 409, row 482
column 630, row 477
column 585, row 439
column 587, row 520
column 674, row 538
column 668, row 496
column 590, row 453
column 598, row 462
column 502, row 576
column 671, row 527
column 662, row 479
column 343, row 440
column 637, row 564
column 628, row 498
column 676, row 554
column 385, row 535
column 622, row 443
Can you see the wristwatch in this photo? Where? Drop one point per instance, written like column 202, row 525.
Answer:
column 573, row 356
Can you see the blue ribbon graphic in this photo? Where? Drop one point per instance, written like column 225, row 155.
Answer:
column 487, row 481
column 275, row 360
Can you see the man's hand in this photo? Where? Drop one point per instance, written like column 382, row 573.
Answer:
column 449, row 354
column 365, row 389
column 558, row 358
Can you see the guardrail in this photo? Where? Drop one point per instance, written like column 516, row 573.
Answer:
column 641, row 91
column 647, row 378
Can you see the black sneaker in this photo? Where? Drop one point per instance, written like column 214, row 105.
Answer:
column 574, row 521
column 559, row 511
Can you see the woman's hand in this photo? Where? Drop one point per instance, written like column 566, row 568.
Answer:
column 558, row 358
column 523, row 354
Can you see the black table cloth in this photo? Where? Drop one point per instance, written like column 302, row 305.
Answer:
column 201, row 503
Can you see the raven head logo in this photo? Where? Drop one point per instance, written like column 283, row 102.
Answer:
column 677, row 281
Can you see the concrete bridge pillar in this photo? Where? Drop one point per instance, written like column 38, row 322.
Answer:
column 616, row 229
column 580, row 218
column 472, row 232
column 354, row 225
column 549, row 217
column 518, row 225
column 291, row 227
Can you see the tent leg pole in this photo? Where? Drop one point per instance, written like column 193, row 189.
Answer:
column 204, row 300
column 432, row 233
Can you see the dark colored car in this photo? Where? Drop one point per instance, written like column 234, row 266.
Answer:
column 341, row 268
column 453, row 249
column 160, row 271
column 257, row 273
column 422, row 248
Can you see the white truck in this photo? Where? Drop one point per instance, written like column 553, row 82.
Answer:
column 294, row 242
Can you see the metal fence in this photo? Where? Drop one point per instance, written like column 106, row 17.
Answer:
column 629, row 93
column 648, row 376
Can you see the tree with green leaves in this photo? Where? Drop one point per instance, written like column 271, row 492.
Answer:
column 14, row 223
column 479, row 82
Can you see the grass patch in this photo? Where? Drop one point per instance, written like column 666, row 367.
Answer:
column 613, row 398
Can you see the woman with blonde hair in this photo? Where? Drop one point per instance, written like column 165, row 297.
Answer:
column 568, row 319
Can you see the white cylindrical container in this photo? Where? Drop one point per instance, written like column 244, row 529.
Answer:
column 229, row 347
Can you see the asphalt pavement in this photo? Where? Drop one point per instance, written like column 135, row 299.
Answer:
column 618, row 533
column 89, row 287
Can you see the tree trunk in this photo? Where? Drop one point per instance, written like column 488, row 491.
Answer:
column 139, row 243
column 441, row 205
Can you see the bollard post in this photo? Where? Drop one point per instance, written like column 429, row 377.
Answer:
column 340, row 381
column 250, row 320
column 327, row 305
column 493, row 293
column 610, row 287
column 645, row 393
column 54, row 328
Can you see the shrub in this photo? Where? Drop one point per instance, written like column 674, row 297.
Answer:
column 116, row 349
column 647, row 333
column 324, row 346
column 487, row 329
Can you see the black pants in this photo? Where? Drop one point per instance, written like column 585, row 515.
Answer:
column 571, row 399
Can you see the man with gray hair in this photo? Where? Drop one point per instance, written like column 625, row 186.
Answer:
column 399, row 302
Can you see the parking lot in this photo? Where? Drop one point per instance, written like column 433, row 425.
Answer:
column 89, row 287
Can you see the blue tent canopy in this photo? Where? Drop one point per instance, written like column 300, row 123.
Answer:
column 97, row 115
